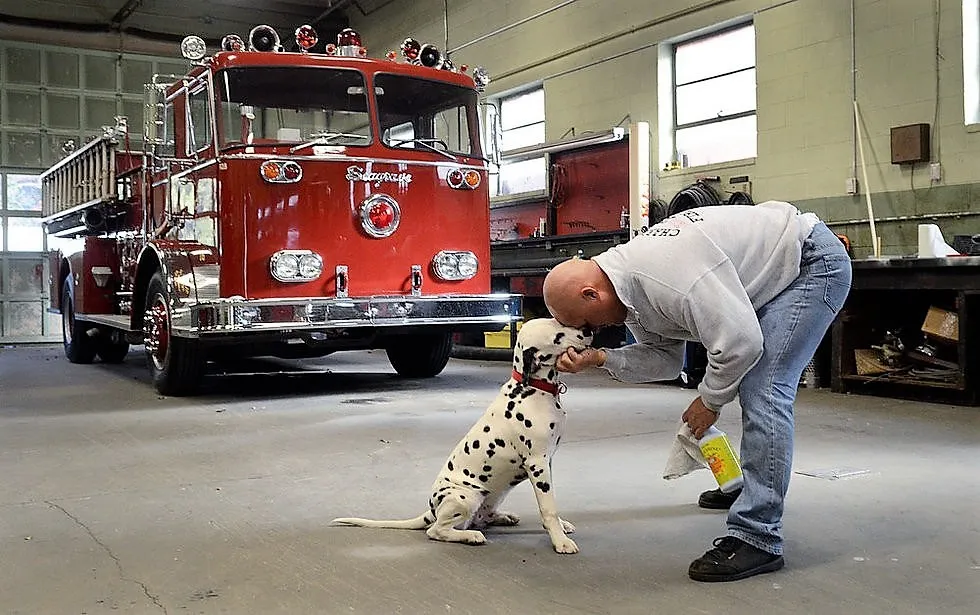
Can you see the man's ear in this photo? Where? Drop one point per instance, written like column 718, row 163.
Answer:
column 589, row 293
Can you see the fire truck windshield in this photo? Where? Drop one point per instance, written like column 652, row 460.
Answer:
column 424, row 115
column 292, row 106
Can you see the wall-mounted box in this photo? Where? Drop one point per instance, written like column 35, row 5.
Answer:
column 910, row 144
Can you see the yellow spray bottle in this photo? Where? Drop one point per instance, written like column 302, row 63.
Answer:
column 721, row 459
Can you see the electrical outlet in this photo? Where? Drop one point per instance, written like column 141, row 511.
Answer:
column 935, row 171
column 852, row 185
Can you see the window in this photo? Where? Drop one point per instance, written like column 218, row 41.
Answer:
column 713, row 97
column 199, row 132
column 518, row 121
column 292, row 105
column 422, row 114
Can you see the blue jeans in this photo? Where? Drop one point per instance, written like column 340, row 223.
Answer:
column 793, row 324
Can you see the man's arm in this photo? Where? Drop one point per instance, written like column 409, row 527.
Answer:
column 650, row 359
column 719, row 312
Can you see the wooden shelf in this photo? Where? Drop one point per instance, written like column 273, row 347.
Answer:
column 886, row 379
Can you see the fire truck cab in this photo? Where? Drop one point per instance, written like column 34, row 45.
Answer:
column 288, row 204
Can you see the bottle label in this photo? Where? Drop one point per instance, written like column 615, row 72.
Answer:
column 721, row 459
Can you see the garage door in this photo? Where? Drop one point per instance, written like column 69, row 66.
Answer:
column 49, row 96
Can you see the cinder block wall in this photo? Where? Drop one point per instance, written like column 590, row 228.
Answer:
column 597, row 60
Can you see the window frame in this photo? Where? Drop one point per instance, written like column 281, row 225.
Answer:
column 496, row 138
column 675, row 127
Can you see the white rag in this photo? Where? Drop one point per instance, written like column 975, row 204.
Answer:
column 685, row 454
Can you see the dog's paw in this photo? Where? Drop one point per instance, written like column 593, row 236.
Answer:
column 505, row 519
column 566, row 546
column 567, row 527
column 474, row 537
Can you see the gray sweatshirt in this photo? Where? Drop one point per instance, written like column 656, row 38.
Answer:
column 701, row 275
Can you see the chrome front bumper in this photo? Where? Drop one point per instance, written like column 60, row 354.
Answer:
column 238, row 315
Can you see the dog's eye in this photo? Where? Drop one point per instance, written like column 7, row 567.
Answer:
column 587, row 331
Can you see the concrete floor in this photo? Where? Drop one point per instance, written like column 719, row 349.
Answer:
column 114, row 499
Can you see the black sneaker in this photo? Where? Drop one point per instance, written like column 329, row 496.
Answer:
column 717, row 499
column 733, row 559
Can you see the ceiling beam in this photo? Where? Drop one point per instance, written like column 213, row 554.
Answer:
column 125, row 12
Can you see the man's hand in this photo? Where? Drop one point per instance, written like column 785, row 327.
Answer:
column 572, row 361
column 699, row 417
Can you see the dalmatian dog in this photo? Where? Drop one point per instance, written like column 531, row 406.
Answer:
column 512, row 442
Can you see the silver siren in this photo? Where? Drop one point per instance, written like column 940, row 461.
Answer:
column 429, row 55
column 263, row 38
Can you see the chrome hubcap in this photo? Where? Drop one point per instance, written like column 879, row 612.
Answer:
column 156, row 331
column 67, row 316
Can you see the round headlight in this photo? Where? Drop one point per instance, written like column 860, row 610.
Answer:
column 285, row 267
column 468, row 265
column 445, row 265
column 310, row 266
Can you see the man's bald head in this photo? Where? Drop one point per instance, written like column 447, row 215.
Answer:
column 579, row 294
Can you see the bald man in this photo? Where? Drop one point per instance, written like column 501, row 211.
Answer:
column 758, row 286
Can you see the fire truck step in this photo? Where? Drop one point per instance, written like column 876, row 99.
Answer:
column 110, row 320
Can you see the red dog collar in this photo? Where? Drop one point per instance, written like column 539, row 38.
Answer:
column 541, row 385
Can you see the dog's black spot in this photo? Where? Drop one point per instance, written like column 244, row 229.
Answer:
column 545, row 357
column 528, row 443
column 490, row 445
column 558, row 404
column 466, row 472
column 466, row 448
column 490, row 453
column 579, row 336
column 558, row 337
column 520, row 437
column 457, row 515
column 513, row 394
column 520, row 416
column 532, row 467
column 551, row 426
column 500, row 443
column 442, row 496
column 508, row 414
column 483, row 478
column 527, row 393
column 557, row 441
column 516, row 482
column 426, row 519
column 527, row 423
column 450, row 466
column 476, row 444
column 543, row 486
column 510, row 406
column 484, row 492
column 486, row 429
column 551, row 374
column 538, row 473
column 487, row 468
column 462, row 497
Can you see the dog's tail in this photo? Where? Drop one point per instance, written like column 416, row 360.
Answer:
column 418, row 523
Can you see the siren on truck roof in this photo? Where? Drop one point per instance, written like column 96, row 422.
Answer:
column 264, row 38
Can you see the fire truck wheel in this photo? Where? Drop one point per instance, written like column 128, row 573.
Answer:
column 112, row 351
column 79, row 345
column 175, row 363
column 420, row 356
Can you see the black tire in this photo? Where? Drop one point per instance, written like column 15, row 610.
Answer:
column 176, row 364
column 79, row 346
column 111, row 350
column 420, row 356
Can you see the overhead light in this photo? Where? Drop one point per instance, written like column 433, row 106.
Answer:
column 533, row 151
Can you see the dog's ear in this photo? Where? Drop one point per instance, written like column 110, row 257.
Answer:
column 527, row 363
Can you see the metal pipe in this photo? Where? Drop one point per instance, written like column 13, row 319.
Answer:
column 911, row 218
column 854, row 127
column 510, row 26
column 445, row 23
column 605, row 39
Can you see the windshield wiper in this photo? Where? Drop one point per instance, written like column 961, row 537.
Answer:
column 427, row 144
column 325, row 138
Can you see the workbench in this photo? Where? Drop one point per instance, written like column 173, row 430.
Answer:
column 894, row 295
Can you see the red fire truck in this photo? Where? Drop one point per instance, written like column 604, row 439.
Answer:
column 286, row 204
